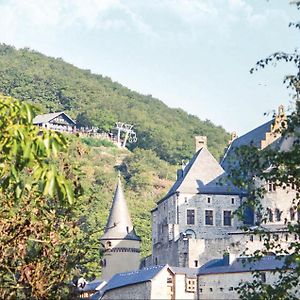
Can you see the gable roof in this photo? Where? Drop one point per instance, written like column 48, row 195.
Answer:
column 45, row 118
column 251, row 138
column 129, row 278
column 242, row 264
column 203, row 174
column 119, row 225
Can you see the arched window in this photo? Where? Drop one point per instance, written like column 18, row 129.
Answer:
column 190, row 234
column 278, row 215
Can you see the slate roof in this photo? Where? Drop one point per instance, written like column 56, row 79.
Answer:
column 266, row 263
column 190, row 272
column 271, row 228
column 119, row 225
column 251, row 138
column 203, row 174
column 46, row 118
column 92, row 285
column 129, row 278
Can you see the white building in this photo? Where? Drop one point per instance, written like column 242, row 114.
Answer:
column 194, row 222
column 58, row 121
column 194, row 225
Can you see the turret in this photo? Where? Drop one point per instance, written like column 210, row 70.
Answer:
column 120, row 244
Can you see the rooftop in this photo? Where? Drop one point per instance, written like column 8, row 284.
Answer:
column 242, row 264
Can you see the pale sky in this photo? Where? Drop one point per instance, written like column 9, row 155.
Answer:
column 192, row 54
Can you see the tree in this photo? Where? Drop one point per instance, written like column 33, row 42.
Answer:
column 282, row 168
column 39, row 193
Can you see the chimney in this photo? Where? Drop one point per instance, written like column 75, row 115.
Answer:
column 228, row 258
column 201, row 142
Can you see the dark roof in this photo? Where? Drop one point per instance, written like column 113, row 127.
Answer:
column 266, row 228
column 119, row 225
column 129, row 278
column 252, row 138
column 204, row 175
column 190, row 272
column 45, row 118
column 242, row 264
column 92, row 285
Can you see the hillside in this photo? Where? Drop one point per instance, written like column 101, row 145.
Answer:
column 96, row 100
column 145, row 178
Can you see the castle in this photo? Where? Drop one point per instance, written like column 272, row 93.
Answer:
column 196, row 237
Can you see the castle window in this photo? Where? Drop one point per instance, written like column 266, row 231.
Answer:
column 227, row 218
column 278, row 215
column 208, row 200
column 263, row 277
column 209, row 217
column 221, row 289
column 292, row 214
column 190, row 285
column 271, row 186
column 270, row 215
column 190, row 216
column 210, row 289
column 200, row 290
column 103, row 263
column 231, row 288
column 196, row 263
column 298, row 215
column 286, row 237
column 127, row 229
column 232, row 200
column 251, row 238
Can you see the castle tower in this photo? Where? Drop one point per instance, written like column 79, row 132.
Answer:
column 120, row 244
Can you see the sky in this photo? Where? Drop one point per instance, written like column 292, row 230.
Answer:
column 192, row 54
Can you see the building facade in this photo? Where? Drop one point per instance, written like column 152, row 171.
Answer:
column 195, row 221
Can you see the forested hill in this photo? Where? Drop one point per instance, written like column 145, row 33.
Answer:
column 98, row 101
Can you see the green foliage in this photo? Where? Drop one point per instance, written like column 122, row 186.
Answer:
column 39, row 234
column 96, row 142
column 94, row 100
column 282, row 168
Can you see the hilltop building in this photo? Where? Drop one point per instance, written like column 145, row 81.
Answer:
column 58, row 121
column 120, row 243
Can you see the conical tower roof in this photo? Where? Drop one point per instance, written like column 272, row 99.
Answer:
column 119, row 225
